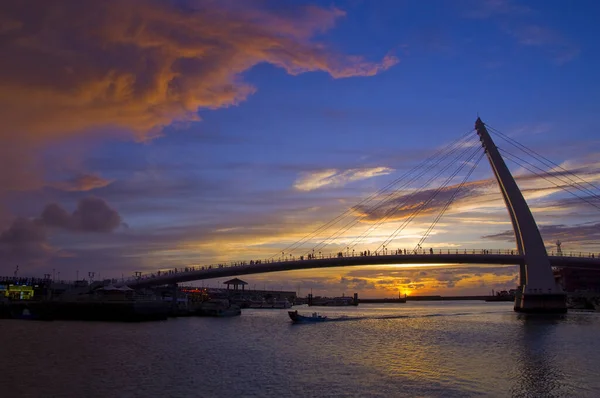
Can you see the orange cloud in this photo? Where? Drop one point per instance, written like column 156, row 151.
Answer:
column 137, row 66
column 83, row 182
column 141, row 65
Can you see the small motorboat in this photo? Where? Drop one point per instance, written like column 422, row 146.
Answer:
column 297, row 318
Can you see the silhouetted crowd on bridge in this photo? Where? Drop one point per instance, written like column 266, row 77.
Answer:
column 341, row 254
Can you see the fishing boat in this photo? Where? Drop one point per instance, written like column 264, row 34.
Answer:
column 297, row 318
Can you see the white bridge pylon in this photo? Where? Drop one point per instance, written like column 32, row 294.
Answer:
column 538, row 289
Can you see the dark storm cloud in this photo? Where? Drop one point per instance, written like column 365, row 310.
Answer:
column 582, row 234
column 26, row 240
column 92, row 215
column 24, row 230
column 24, row 243
column 54, row 215
column 403, row 205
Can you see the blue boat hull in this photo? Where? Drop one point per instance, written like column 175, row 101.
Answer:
column 297, row 318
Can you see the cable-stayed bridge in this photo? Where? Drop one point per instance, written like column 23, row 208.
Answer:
column 439, row 256
column 400, row 202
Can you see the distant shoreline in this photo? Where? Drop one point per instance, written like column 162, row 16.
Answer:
column 422, row 298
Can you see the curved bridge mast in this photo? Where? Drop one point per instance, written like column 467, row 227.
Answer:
column 538, row 291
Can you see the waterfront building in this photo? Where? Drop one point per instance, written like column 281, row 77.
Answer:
column 578, row 279
column 23, row 288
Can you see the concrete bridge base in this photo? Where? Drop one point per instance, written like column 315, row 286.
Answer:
column 540, row 303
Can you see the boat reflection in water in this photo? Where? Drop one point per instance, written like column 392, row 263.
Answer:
column 297, row 318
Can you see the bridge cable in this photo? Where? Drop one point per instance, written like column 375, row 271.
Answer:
column 532, row 153
column 426, row 203
column 332, row 222
column 448, row 203
column 549, row 163
column 569, row 181
column 423, row 205
column 553, row 176
column 449, row 150
column 382, row 203
column 373, row 196
column 390, row 212
column 512, row 158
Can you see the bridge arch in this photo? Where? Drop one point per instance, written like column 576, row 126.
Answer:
column 538, row 291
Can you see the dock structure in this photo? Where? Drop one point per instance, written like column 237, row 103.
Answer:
column 236, row 284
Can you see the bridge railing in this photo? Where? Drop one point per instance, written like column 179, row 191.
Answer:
column 347, row 254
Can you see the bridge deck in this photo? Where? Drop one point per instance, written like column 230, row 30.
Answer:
column 392, row 259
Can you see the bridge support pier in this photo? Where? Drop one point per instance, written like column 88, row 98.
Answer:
column 538, row 291
column 540, row 303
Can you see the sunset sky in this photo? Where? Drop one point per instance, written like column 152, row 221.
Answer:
column 147, row 135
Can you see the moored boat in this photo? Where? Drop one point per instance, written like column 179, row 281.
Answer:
column 297, row 318
column 218, row 308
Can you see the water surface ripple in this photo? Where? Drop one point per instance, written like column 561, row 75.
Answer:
column 436, row 349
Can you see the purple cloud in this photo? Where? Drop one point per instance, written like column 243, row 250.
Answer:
column 92, row 215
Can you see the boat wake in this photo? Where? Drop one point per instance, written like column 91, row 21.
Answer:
column 345, row 318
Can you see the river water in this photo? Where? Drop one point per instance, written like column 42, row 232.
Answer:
column 433, row 349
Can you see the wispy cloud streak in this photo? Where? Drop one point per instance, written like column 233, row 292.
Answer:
column 336, row 178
